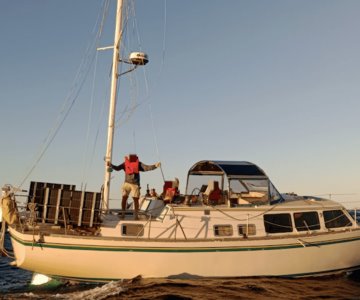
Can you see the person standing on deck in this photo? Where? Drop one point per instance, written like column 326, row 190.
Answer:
column 132, row 167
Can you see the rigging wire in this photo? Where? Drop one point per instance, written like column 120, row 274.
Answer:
column 70, row 99
column 127, row 112
column 124, row 115
column 155, row 140
column 130, row 108
column 164, row 36
column 102, row 114
column 86, row 166
column 161, row 70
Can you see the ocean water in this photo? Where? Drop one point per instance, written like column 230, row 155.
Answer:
column 14, row 284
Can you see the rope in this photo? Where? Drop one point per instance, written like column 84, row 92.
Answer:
column 2, row 237
column 250, row 218
column 161, row 70
column 130, row 109
column 89, row 123
column 124, row 49
column 85, row 168
column 155, row 139
column 338, row 217
column 149, row 103
column 164, row 36
column 99, row 125
column 276, row 224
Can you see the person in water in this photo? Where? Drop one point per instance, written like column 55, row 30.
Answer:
column 132, row 167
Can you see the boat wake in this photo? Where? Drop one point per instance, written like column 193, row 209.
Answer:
column 112, row 288
column 78, row 291
column 334, row 287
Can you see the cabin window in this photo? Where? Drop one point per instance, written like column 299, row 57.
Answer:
column 163, row 213
column 236, row 186
column 145, row 204
column 223, row 230
column 275, row 196
column 252, row 190
column 277, row 223
column 132, row 230
column 306, row 221
column 335, row 219
column 246, row 230
column 198, row 184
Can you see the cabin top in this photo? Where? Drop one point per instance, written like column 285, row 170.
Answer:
column 228, row 168
column 230, row 182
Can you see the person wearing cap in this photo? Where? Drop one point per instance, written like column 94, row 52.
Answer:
column 132, row 167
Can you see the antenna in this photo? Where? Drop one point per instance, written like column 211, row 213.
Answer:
column 138, row 58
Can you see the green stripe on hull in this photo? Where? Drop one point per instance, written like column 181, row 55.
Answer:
column 296, row 275
column 182, row 249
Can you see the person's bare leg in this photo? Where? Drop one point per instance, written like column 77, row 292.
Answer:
column 136, row 206
column 123, row 205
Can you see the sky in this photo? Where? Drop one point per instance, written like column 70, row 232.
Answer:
column 274, row 82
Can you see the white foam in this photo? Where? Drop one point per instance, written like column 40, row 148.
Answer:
column 39, row 279
column 98, row 293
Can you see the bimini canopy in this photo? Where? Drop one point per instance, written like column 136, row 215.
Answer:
column 229, row 168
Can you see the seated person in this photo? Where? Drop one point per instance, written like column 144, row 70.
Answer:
column 153, row 193
column 171, row 190
column 212, row 194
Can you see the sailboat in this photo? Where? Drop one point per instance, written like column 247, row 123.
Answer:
column 230, row 222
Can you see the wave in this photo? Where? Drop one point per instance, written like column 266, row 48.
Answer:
column 338, row 287
column 71, row 291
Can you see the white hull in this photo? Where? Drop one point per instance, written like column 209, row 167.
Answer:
column 103, row 259
column 230, row 222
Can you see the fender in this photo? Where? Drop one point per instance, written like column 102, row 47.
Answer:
column 9, row 210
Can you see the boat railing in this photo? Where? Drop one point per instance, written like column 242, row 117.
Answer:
column 63, row 205
column 63, row 216
column 355, row 214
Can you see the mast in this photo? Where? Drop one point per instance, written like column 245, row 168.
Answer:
column 112, row 107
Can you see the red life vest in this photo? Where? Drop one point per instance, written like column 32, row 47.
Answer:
column 132, row 165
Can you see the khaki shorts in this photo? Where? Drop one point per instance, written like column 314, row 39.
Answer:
column 130, row 189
